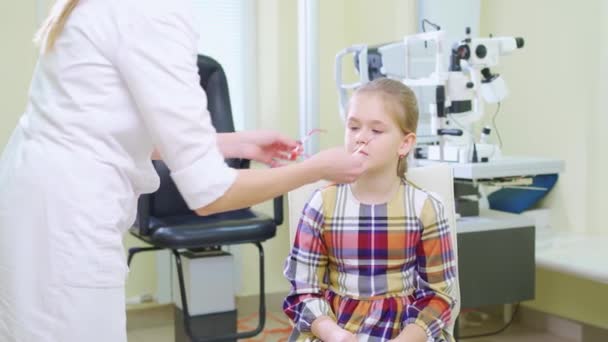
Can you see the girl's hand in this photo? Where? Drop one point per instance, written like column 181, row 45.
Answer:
column 326, row 329
column 343, row 336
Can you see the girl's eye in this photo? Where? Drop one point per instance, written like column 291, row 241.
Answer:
column 377, row 131
column 353, row 128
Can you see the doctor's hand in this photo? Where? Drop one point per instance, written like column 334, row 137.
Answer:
column 266, row 147
column 338, row 165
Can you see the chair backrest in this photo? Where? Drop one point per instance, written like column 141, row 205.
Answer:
column 213, row 80
column 437, row 179
column 167, row 201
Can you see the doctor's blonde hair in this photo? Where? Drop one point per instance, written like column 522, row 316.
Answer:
column 402, row 105
column 53, row 26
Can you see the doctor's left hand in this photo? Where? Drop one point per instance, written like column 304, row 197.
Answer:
column 266, row 147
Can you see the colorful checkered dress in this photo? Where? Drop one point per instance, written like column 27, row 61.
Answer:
column 373, row 268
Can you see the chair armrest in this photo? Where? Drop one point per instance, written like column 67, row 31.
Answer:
column 143, row 214
column 244, row 163
column 278, row 210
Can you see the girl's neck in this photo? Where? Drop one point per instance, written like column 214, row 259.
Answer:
column 376, row 188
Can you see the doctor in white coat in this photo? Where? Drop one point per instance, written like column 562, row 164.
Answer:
column 114, row 80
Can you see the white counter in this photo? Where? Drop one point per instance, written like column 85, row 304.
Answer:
column 578, row 254
column 504, row 167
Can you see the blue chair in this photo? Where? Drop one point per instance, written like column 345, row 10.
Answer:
column 165, row 222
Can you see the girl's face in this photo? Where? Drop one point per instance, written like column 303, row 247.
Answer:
column 370, row 123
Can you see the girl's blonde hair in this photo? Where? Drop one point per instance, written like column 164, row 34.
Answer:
column 402, row 105
column 53, row 26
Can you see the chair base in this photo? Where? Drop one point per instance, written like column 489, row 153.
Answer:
column 187, row 318
column 205, row 326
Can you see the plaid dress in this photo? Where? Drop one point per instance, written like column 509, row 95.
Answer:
column 373, row 268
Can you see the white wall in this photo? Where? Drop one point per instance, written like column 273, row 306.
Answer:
column 452, row 16
column 554, row 109
column 598, row 168
column 559, row 83
column 17, row 28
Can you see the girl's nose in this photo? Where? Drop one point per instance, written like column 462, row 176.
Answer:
column 363, row 136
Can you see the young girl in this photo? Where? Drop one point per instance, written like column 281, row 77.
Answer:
column 373, row 260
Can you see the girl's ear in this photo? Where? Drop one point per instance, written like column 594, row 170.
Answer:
column 407, row 144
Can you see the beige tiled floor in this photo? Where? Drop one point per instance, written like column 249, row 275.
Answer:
column 275, row 328
column 162, row 333
column 519, row 333
column 515, row 333
column 156, row 325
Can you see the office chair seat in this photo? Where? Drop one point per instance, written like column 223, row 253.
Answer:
column 188, row 231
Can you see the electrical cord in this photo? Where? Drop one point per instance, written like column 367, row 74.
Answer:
column 426, row 21
column 496, row 127
column 508, row 324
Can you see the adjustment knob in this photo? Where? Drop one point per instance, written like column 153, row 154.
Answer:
column 481, row 51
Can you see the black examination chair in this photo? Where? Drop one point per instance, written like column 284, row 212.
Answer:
column 165, row 222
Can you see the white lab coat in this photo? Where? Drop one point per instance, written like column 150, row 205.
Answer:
column 121, row 79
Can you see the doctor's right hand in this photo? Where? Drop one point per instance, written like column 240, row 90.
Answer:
column 338, row 165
